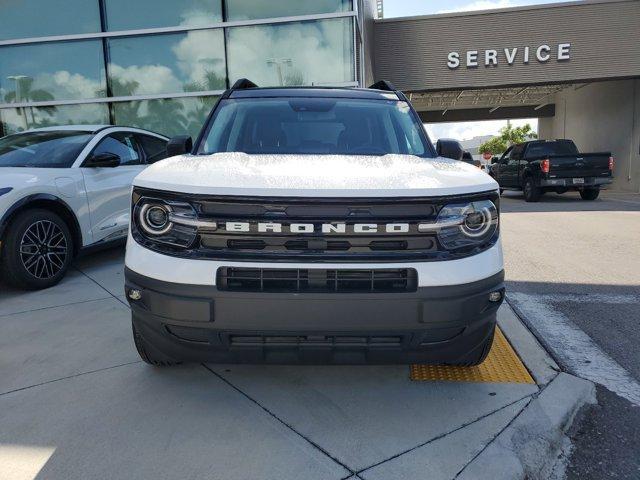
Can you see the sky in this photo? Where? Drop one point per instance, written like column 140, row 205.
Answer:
column 404, row 8
column 459, row 130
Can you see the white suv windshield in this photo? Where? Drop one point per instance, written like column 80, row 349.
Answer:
column 324, row 126
column 51, row 149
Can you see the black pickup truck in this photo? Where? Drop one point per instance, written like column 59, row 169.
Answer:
column 552, row 166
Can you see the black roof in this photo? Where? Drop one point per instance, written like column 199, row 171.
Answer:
column 320, row 92
column 245, row 88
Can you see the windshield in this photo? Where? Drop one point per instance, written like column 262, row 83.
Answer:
column 324, row 126
column 52, row 149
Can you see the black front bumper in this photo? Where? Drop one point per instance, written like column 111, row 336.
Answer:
column 200, row 323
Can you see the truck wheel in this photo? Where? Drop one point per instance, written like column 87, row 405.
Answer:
column 590, row 193
column 149, row 354
column 531, row 192
column 480, row 354
column 37, row 250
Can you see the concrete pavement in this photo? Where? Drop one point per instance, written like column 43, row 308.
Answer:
column 76, row 402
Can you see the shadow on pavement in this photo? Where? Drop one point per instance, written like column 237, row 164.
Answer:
column 513, row 202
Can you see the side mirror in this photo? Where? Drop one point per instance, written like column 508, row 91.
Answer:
column 103, row 160
column 449, row 148
column 179, row 145
column 495, row 160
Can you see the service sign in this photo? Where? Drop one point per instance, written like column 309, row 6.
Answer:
column 509, row 56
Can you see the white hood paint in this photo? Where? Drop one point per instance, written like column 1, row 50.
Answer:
column 315, row 175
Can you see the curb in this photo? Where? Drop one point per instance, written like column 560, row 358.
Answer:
column 538, row 361
column 530, row 445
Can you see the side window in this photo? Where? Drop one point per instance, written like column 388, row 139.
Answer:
column 155, row 148
column 506, row 155
column 122, row 144
column 516, row 153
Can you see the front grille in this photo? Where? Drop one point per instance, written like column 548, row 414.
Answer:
column 314, row 340
column 345, row 245
column 316, row 280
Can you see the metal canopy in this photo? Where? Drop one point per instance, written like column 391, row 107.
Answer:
column 536, row 96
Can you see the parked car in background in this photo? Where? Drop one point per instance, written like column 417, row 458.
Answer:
column 63, row 190
column 541, row 166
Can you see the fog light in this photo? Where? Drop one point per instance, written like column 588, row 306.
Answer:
column 135, row 294
column 495, row 296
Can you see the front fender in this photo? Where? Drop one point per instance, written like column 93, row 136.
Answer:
column 35, row 199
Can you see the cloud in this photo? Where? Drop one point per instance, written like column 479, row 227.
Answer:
column 310, row 53
column 151, row 78
column 484, row 5
column 200, row 52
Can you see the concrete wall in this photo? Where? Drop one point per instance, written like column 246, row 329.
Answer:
column 602, row 116
column 412, row 52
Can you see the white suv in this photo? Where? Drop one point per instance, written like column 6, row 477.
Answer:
column 64, row 189
column 314, row 225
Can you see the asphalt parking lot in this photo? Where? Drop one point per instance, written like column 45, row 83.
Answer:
column 76, row 402
column 573, row 273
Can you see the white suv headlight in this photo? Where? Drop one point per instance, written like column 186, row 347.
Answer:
column 166, row 222
column 467, row 224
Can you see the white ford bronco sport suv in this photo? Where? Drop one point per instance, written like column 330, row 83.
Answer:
column 314, row 225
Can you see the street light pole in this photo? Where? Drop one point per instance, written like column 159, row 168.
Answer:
column 278, row 63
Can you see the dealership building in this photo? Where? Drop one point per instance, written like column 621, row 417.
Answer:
column 160, row 64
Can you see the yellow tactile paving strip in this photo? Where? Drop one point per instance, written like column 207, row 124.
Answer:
column 501, row 366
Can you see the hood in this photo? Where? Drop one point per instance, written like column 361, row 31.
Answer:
column 315, row 175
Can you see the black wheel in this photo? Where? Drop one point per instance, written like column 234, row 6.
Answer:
column 37, row 250
column 590, row 193
column 531, row 192
column 480, row 354
column 148, row 353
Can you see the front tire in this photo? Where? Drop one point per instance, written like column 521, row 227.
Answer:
column 37, row 250
column 150, row 354
column 531, row 192
column 480, row 354
column 590, row 193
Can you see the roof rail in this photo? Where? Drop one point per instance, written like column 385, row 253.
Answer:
column 242, row 84
column 384, row 85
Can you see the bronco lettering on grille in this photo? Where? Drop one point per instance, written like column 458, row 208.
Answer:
column 337, row 227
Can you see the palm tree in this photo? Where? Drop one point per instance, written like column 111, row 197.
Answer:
column 25, row 92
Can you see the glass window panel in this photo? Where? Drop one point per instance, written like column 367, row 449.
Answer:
column 41, row 18
column 170, row 117
column 300, row 53
column 250, row 9
column 52, row 71
column 15, row 120
column 131, row 15
column 123, row 144
column 155, row 149
column 154, row 64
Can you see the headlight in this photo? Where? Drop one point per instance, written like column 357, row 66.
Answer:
column 5, row 190
column 154, row 218
column 462, row 225
column 167, row 222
